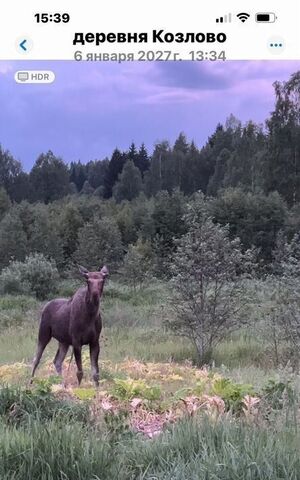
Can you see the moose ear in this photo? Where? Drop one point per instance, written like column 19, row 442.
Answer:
column 104, row 271
column 83, row 271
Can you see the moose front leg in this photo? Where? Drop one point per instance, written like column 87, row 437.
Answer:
column 94, row 356
column 77, row 355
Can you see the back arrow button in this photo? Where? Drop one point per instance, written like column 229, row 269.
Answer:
column 22, row 45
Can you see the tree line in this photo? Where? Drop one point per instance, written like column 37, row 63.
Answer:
column 254, row 157
column 97, row 212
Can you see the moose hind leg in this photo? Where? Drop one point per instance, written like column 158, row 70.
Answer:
column 38, row 356
column 60, row 356
column 94, row 356
column 77, row 355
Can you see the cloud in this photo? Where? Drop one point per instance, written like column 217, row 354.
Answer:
column 93, row 107
column 192, row 75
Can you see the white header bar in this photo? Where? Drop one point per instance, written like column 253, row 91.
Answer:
column 48, row 30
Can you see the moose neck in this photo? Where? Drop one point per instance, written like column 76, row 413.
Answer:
column 91, row 304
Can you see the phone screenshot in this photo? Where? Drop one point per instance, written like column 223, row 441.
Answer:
column 149, row 240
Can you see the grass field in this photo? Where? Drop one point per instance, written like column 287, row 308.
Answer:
column 157, row 415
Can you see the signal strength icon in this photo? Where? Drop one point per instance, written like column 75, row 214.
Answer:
column 224, row 19
column 243, row 16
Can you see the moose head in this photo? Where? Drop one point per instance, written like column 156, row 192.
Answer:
column 95, row 283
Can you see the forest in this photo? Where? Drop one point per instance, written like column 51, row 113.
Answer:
column 250, row 175
column 199, row 362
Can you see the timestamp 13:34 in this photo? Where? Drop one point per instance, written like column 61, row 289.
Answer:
column 211, row 55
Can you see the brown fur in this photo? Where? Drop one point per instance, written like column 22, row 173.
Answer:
column 74, row 322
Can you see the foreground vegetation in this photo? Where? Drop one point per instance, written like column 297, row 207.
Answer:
column 156, row 415
column 196, row 448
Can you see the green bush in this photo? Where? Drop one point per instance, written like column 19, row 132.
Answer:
column 19, row 406
column 277, row 392
column 137, row 263
column 129, row 388
column 36, row 275
column 11, row 280
column 99, row 243
column 232, row 393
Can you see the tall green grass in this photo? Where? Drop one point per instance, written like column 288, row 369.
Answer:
column 53, row 451
column 227, row 450
column 191, row 450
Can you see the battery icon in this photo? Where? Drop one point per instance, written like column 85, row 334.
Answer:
column 265, row 17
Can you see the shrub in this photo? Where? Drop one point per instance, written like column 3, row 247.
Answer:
column 99, row 243
column 276, row 392
column 128, row 389
column 11, row 280
column 210, row 296
column 137, row 263
column 232, row 393
column 36, row 275
column 19, row 406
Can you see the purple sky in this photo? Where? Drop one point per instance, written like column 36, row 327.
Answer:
column 91, row 108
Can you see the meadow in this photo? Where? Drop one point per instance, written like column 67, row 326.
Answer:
column 157, row 414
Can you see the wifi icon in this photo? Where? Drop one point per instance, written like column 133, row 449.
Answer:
column 243, row 16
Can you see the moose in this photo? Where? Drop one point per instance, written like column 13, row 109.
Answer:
column 74, row 322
